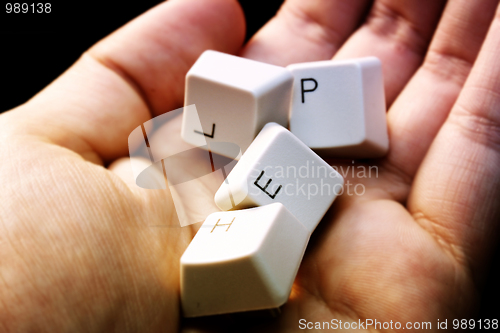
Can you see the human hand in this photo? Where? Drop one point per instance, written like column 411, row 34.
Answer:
column 414, row 246
column 411, row 248
column 77, row 247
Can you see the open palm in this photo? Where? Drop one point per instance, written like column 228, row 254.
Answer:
column 78, row 250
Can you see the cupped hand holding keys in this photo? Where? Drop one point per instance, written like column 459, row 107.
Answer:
column 77, row 247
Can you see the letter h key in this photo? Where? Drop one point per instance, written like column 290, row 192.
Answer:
column 251, row 266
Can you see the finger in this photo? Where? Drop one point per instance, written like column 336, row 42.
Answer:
column 398, row 33
column 305, row 31
column 140, row 69
column 456, row 191
column 416, row 116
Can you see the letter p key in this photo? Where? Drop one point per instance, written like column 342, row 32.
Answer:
column 303, row 90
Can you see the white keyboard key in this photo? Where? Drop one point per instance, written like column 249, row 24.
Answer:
column 242, row 261
column 338, row 107
column 278, row 167
column 235, row 98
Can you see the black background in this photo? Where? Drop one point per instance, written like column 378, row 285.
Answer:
column 36, row 48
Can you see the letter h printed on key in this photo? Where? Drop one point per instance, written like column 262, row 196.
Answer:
column 220, row 225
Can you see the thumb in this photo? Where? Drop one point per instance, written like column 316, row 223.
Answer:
column 122, row 81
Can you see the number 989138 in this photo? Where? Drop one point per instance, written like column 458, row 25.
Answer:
column 24, row 8
column 481, row 324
